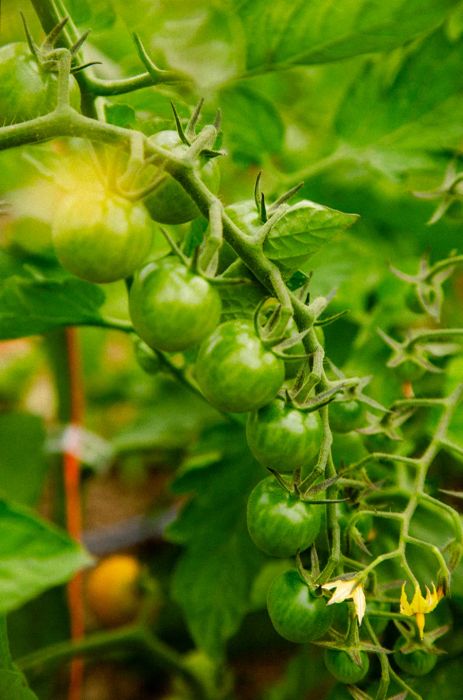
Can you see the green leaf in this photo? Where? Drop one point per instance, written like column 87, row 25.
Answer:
column 302, row 231
column 23, row 469
column 319, row 31
column 32, row 303
column 213, row 578
column 254, row 126
column 302, row 674
column 395, row 117
column 13, row 686
column 34, row 556
column 240, row 300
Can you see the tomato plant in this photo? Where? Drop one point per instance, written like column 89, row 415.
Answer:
column 101, row 239
column 344, row 668
column 234, row 369
column 282, row 437
column 148, row 379
column 279, row 522
column 172, row 308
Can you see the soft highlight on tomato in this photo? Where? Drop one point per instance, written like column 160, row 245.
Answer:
column 100, row 236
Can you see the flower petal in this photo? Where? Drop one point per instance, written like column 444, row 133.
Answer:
column 359, row 602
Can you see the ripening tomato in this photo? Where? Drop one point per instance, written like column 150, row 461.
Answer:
column 112, row 589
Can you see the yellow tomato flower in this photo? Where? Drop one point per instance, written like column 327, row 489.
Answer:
column 420, row 605
column 348, row 588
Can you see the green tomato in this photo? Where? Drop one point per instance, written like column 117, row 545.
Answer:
column 416, row 663
column 412, row 302
column 101, row 237
column 296, row 613
column 169, row 203
column 346, row 415
column 279, row 523
column 409, row 371
column 380, row 442
column 343, row 667
column 339, row 692
column 26, row 89
column 171, row 308
column 282, row 437
column 234, row 369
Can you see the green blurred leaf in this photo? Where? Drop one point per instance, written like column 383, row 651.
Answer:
column 97, row 14
column 213, row 578
column 174, row 420
column 34, row 556
column 13, row 686
column 319, row 31
column 254, row 128
column 23, row 469
column 303, row 673
column 121, row 115
column 302, row 231
column 395, row 117
column 32, row 303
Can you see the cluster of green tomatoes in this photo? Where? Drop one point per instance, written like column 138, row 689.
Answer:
column 102, row 237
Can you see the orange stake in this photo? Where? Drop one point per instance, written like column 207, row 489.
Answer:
column 71, row 467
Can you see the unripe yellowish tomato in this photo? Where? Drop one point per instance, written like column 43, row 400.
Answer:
column 113, row 594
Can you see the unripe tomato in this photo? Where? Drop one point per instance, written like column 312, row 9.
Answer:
column 26, row 89
column 343, row 667
column 296, row 613
column 112, row 590
column 172, row 309
column 346, row 415
column 280, row 523
column 169, row 203
column 100, row 236
column 409, row 371
column 416, row 663
column 234, row 369
column 282, row 437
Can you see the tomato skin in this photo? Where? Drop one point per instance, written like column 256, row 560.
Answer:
column 234, row 369
column 416, row 663
column 345, row 415
column 26, row 90
column 279, row 523
column 282, row 437
column 343, row 667
column 409, row 371
column 169, row 203
column 171, row 308
column 296, row 613
column 101, row 237
column 112, row 590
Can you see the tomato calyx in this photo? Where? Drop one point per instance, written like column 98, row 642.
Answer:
column 46, row 55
